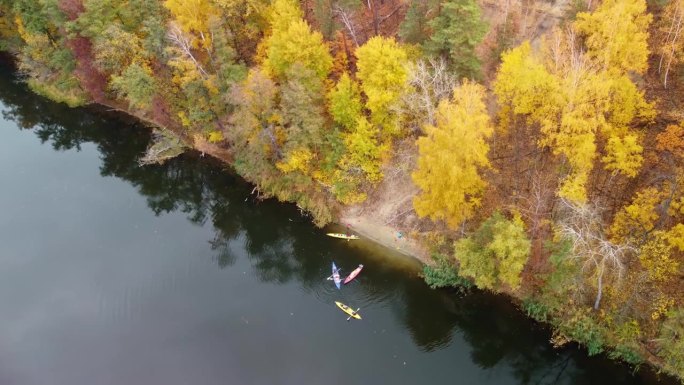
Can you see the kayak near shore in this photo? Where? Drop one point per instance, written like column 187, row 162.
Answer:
column 342, row 236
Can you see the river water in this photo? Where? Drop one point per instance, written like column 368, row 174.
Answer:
column 112, row 273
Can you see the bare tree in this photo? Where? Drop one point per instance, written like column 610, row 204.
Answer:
column 348, row 21
column 582, row 224
column 432, row 82
column 672, row 40
column 183, row 45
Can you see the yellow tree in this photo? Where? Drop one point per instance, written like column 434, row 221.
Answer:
column 524, row 86
column 657, row 257
column 283, row 13
column 364, row 154
column 292, row 41
column 193, row 18
column 638, row 218
column 617, row 34
column 382, row 71
column 574, row 103
column 345, row 102
column 451, row 157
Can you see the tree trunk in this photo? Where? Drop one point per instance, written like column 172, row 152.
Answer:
column 600, row 290
column 376, row 22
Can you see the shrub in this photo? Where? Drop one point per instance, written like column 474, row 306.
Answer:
column 537, row 310
column 444, row 274
column 584, row 329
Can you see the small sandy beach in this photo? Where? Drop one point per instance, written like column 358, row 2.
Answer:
column 386, row 236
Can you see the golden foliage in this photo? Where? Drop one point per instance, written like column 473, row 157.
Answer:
column 657, row 258
column 382, row 71
column 345, row 102
column 297, row 44
column 624, row 154
column 364, row 153
column 215, row 136
column 451, row 156
column 283, row 13
column 675, row 237
column 672, row 140
column 574, row 103
column 637, row 218
column 193, row 18
column 297, row 160
column 617, row 34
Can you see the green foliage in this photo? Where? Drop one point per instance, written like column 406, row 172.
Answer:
column 136, row 84
column 444, row 274
column 48, row 65
column 671, row 342
column 495, row 254
column 252, row 129
column 58, row 92
column 10, row 40
column 626, row 349
column 626, row 354
column 115, row 49
column 224, row 59
column 457, row 31
column 39, row 17
column 536, row 310
column 323, row 12
column 583, row 328
column 301, row 112
column 245, row 23
column 414, row 29
column 124, row 19
column 559, row 283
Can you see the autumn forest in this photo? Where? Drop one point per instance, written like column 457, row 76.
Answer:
column 535, row 148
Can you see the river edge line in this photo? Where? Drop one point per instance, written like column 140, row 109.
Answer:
column 377, row 232
column 385, row 236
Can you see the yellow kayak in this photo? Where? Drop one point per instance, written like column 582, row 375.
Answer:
column 348, row 310
column 343, row 236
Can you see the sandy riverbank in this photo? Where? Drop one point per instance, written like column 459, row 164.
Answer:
column 386, row 236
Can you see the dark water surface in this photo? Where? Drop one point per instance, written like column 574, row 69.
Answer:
column 111, row 273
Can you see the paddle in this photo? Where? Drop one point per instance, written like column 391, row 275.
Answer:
column 353, row 314
column 331, row 277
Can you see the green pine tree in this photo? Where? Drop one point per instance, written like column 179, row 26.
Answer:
column 457, row 30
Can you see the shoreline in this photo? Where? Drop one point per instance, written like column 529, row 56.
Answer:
column 365, row 226
column 386, row 236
